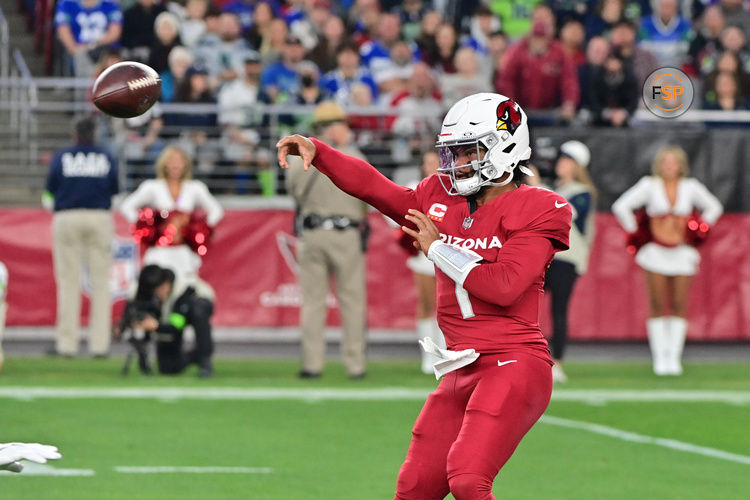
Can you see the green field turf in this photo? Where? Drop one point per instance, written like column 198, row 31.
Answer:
column 327, row 438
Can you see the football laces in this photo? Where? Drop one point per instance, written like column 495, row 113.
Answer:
column 142, row 82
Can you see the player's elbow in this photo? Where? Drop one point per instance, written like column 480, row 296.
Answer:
column 507, row 298
column 500, row 297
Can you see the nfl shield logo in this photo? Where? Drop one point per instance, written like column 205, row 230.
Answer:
column 467, row 222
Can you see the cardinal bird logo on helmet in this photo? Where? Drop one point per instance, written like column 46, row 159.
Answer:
column 508, row 116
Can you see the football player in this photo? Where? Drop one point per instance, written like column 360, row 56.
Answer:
column 491, row 240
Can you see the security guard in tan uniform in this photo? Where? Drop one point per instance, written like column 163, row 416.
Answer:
column 330, row 223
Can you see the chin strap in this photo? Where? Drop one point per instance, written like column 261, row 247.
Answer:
column 525, row 170
column 454, row 261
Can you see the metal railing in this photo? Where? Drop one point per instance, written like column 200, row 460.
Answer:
column 23, row 98
column 4, row 54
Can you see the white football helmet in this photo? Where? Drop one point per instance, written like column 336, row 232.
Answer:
column 491, row 122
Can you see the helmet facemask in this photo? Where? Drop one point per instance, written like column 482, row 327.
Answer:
column 483, row 172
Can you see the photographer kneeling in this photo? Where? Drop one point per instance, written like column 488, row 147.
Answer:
column 180, row 306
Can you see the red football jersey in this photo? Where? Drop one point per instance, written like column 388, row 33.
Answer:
column 516, row 234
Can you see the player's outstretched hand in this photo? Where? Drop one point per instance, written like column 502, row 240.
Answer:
column 426, row 232
column 296, row 145
column 11, row 454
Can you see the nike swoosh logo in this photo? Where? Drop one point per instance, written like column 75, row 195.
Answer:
column 501, row 363
column 560, row 205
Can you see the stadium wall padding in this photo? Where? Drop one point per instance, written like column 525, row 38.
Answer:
column 719, row 157
column 251, row 263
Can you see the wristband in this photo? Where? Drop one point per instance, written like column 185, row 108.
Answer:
column 454, row 261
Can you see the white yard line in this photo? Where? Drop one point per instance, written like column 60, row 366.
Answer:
column 33, row 469
column 592, row 396
column 642, row 439
column 167, row 469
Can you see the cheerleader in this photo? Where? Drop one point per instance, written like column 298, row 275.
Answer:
column 669, row 261
column 174, row 192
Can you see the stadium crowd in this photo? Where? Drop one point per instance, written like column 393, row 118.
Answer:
column 579, row 61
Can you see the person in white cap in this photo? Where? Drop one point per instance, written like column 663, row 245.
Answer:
column 669, row 259
column 574, row 184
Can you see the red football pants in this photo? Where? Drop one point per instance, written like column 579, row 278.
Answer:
column 471, row 425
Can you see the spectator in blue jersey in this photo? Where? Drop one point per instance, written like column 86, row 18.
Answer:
column 85, row 28
column 281, row 80
column 666, row 34
column 81, row 182
column 138, row 28
column 338, row 83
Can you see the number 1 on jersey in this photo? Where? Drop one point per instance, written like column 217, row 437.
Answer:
column 464, row 303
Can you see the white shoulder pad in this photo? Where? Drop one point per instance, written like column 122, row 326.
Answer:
column 453, row 260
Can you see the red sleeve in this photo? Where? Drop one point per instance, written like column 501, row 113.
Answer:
column 361, row 180
column 544, row 213
column 521, row 261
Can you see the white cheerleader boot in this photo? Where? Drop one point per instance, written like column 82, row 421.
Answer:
column 677, row 333
column 658, row 342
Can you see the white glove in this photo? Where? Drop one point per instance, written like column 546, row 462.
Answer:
column 12, row 453
column 449, row 360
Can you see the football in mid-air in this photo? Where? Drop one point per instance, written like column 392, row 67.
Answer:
column 126, row 89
